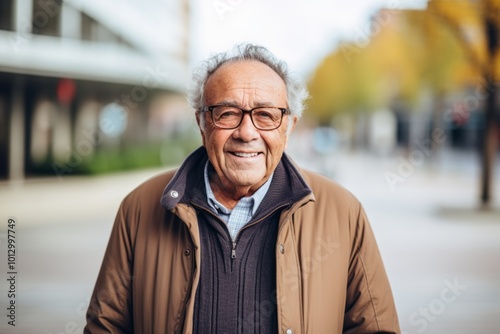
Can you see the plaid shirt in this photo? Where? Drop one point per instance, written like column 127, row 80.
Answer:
column 241, row 214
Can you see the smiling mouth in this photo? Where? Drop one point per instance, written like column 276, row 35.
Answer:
column 245, row 155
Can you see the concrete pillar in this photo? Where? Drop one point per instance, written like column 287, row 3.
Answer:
column 61, row 133
column 41, row 127
column 4, row 139
column 71, row 22
column 23, row 16
column 87, row 134
column 17, row 133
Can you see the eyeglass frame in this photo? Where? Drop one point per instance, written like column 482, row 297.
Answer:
column 284, row 111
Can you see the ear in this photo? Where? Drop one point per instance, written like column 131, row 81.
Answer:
column 294, row 119
column 291, row 127
column 201, row 126
column 197, row 114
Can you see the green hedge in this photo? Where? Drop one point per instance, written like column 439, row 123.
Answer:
column 168, row 153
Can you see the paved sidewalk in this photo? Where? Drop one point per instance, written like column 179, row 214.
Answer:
column 50, row 200
column 442, row 254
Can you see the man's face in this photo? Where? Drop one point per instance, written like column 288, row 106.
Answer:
column 244, row 157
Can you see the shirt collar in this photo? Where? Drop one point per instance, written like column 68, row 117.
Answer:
column 255, row 199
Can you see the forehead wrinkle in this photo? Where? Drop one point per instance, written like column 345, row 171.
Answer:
column 257, row 99
column 233, row 103
column 247, row 88
column 253, row 87
column 238, row 78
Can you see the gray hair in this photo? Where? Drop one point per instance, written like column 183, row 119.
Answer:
column 296, row 91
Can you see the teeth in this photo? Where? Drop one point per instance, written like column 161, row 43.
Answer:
column 245, row 155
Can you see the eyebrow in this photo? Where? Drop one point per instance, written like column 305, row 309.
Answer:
column 233, row 103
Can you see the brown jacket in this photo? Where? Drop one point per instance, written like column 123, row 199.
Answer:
column 330, row 276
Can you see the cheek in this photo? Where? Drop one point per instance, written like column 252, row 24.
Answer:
column 276, row 145
column 215, row 141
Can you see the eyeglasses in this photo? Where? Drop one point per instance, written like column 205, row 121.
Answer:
column 230, row 117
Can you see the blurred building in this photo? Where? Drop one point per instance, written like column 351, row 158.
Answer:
column 76, row 75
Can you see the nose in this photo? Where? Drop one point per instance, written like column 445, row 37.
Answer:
column 246, row 131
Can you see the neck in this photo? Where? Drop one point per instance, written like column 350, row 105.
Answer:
column 227, row 193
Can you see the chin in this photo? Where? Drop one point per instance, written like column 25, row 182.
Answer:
column 249, row 181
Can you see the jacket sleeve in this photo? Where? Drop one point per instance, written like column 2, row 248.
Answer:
column 369, row 302
column 110, row 308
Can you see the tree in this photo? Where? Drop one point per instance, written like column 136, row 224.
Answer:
column 477, row 28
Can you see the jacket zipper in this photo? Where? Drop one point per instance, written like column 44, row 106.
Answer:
column 233, row 242
column 233, row 251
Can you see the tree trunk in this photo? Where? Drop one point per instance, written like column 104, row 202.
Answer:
column 488, row 147
column 490, row 137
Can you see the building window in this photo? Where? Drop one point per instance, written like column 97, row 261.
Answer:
column 47, row 18
column 88, row 25
column 6, row 15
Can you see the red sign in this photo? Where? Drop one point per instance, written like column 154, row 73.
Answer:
column 66, row 89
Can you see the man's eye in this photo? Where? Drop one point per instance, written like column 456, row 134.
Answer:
column 227, row 114
column 264, row 114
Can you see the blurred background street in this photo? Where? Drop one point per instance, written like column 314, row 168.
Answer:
column 404, row 112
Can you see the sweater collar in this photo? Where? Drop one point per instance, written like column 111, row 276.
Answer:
column 255, row 199
column 188, row 186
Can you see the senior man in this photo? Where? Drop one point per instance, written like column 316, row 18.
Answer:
column 239, row 239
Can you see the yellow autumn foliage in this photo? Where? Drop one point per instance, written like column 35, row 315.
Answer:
column 442, row 48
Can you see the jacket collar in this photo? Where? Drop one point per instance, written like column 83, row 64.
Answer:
column 189, row 176
column 187, row 186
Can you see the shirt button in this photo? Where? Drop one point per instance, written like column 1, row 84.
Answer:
column 289, row 331
column 174, row 194
column 282, row 251
column 187, row 252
